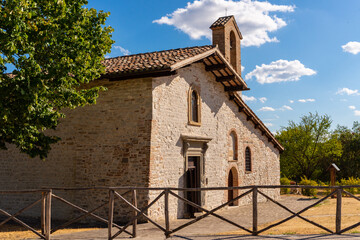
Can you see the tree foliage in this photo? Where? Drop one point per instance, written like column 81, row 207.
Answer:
column 349, row 162
column 55, row 46
column 309, row 147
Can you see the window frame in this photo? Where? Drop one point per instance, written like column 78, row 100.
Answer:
column 251, row 160
column 234, row 146
column 190, row 107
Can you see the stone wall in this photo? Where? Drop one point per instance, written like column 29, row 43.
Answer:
column 219, row 116
column 107, row 144
column 132, row 137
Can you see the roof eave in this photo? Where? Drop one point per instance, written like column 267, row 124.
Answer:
column 221, row 56
column 193, row 59
column 257, row 120
column 208, row 53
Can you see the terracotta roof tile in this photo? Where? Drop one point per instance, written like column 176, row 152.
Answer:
column 221, row 21
column 151, row 61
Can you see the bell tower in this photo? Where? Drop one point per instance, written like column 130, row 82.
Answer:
column 226, row 34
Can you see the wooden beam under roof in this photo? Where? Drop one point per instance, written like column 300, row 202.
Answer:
column 225, row 78
column 236, row 88
column 215, row 67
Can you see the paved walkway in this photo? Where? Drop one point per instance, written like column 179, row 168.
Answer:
column 214, row 228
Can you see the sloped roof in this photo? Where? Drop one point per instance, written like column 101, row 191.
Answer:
column 168, row 61
column 221, row 21
column 152, row 60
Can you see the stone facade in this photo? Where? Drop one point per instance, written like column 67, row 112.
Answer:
column 220, row 116
column 139, row 134
column 107, row 144
column 133, row 137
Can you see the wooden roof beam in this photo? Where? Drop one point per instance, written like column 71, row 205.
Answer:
column 236, row 88
column 215, row 67
column 225, row 78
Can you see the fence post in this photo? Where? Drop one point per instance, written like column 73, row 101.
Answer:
column 48, row 215
column 338, row 209
column 111, row 213
column 167, row 223
column 43, row 210
column 135, row 213
column 255, row 212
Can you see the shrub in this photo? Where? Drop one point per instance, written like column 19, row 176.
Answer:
column 284, row 181
column 325, row 184
column 350, row 181
column 308, row 191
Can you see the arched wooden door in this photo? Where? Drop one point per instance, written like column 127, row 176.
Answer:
column 232, row 182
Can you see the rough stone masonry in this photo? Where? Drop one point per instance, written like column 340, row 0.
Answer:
column 140, row 133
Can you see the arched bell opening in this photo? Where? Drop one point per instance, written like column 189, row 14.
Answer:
column 233, row 49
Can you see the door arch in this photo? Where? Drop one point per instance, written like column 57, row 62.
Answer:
column 233, row 181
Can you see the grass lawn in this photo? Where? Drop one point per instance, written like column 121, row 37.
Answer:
column 12, row 232
column 323, row 214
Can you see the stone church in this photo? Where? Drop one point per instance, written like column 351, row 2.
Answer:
column 172, row 118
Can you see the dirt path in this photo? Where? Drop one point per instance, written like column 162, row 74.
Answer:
column 214, row 228
column 242, row 215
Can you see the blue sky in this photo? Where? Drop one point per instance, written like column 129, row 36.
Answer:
column 298, row 56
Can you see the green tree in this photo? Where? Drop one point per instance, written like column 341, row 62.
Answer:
column 55, row 47
column 309, row 147
column 349, row 162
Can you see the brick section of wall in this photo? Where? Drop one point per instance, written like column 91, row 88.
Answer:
column 107, row 144
column 221, row 37
column 219, row 117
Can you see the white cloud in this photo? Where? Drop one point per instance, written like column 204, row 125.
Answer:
column 269, row 124
column 347, row 91
column 286, row 107
column 357, row 113
column 352, row 107
column 352, row 47
column 267, row 109
column 263, row 99
column 248, row 99
column 291, row 101
column 279, row 71
column 242, row 68
column 122, row 50
column 253, row 17
column 306, row 100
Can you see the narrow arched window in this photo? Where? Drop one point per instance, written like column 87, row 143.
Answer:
column 248, row 159
column 234, row 146
column 194, row 107
column 233, row 50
